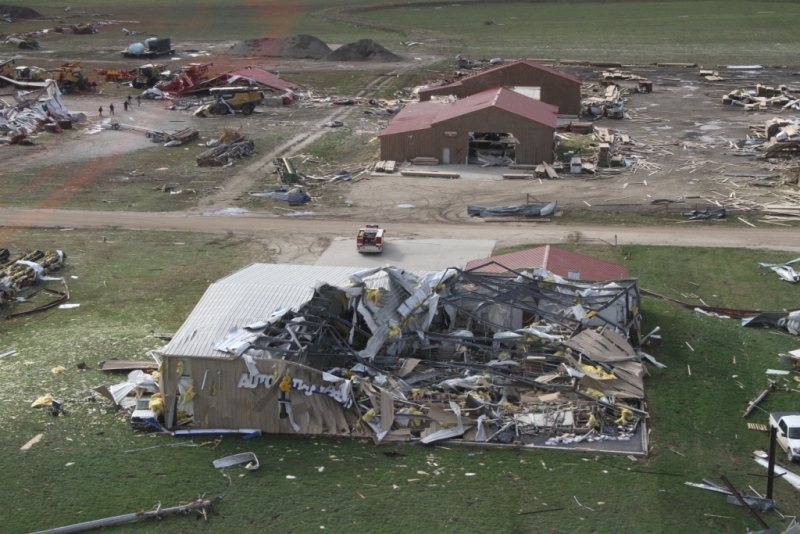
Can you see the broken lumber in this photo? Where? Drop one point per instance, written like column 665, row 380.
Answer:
column 755, row 402
column 430, row 174
column 200, row 504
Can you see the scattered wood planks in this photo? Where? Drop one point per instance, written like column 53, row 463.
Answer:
column 430, row 174
column 421, row 160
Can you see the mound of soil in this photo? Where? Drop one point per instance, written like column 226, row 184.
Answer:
column 19, row 13
column 295, row 46
column 363, row 50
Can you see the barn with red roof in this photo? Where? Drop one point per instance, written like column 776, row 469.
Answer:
column 527, row 77
column 448, row 130
column 566, row 264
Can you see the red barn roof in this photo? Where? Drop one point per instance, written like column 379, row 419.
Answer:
column 423, row 115
column 555, row 260
column 488, row 72
column 261, row 76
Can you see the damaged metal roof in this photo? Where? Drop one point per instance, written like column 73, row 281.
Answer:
column 249, row 296
column 529, row 359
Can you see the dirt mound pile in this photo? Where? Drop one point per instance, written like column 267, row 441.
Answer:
column 18, row 13
column 363, row 50
column 296, row 46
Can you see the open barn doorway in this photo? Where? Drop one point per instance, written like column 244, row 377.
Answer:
column 492, row 147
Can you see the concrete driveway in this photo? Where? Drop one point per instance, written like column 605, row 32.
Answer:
column 412, row 254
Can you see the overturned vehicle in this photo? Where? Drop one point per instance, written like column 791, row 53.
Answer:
column 524, row 359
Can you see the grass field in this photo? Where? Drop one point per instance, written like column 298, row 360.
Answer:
column 131, row 285
column 137, row 283
column 706, row 32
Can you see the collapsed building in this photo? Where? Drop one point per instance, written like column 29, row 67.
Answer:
column 41, row 107
column 526, row 77
column 521, row 358
column 496, row 124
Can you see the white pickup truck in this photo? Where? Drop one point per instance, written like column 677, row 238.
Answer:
column 788, row 425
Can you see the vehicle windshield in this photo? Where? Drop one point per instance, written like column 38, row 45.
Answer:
column 794, row 433
column 143, row 404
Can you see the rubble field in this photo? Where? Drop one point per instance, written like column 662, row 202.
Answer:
column 683, row 150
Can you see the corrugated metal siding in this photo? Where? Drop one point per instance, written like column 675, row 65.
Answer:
column 251, row 295
column 536, row 140
column 557, row 88
column 222, row 404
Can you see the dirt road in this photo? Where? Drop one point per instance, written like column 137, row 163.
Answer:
column 301, row 241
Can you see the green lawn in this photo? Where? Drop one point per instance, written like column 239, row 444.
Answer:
column 138, row 283
column 706, row 32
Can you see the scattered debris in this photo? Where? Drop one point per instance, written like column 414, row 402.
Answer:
column 229, row 146
column 518, row 210
column 171, row 139
column 26, row 270
column 201, row 505
column 762, row 98
column 783, row 320
column 784, row 270
column 31, row 442
column 293, row 196
column 789, row 476
column 244, row 457
column 693, row 215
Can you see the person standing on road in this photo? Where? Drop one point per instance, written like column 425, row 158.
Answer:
column 101, row 111
column 125, row 105
column 129, row 100
column 138, row 100
column 111, row 108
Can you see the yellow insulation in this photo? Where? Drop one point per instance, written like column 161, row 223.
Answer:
column 157, row 404
column 373, row 295
column 626, row 417
column 597, row 370
column 188, row 395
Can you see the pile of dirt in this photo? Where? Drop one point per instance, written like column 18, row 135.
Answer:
column 295, row 46
column 363, row 50
column 18, row 13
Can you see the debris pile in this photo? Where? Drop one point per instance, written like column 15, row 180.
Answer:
column 227, row 148
column 27, row 269
column 612, row 76
column 363, row 50
column 519, row 210
column 782, row 138
column 610, row 104
column 785, row 270
column 294, row 196
column 528, row 359
column 20, row 273
column 176, row 138
column 763, row 98
column 30, row 40
column 34, row 110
